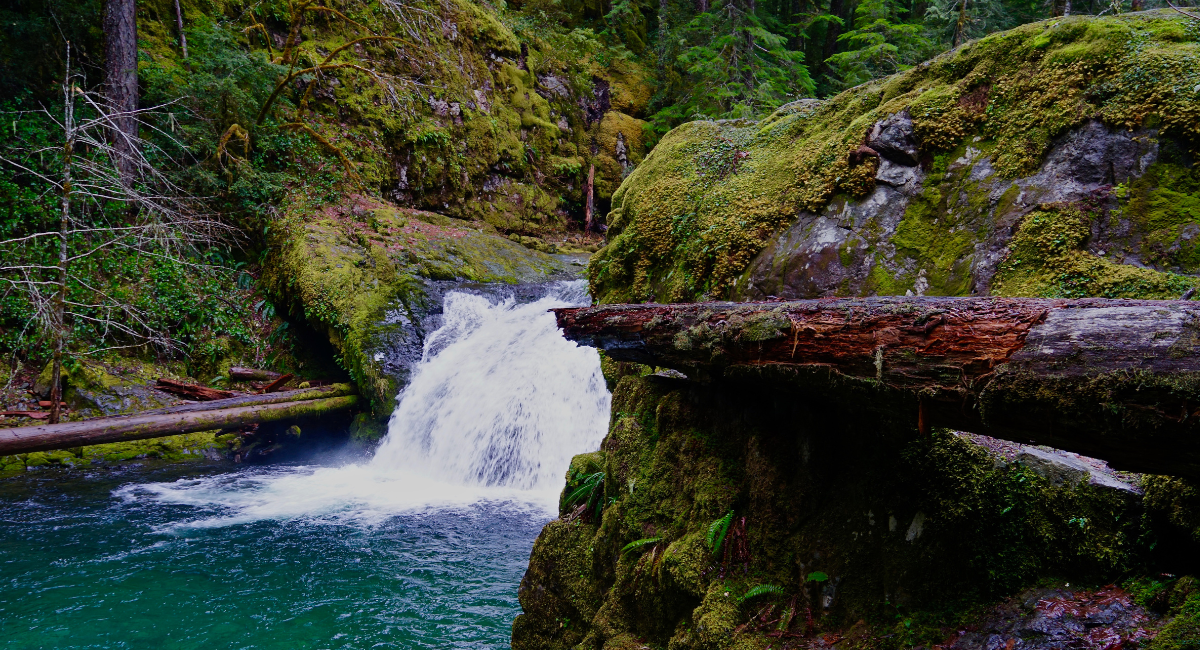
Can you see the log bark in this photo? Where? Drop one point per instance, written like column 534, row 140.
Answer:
column 252, row 374
column 335, row 390
column 137, row 427
column 1112, row 379
column 121, row 78
column 192, row 391
column 278, row 383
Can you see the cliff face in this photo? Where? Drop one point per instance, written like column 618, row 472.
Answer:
column 1055, row 160
column 711, row 492
column 747, row 511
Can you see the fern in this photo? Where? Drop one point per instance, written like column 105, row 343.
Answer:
column 759, row 591
column 717, row 530
column 631, row 546
column 590, row 493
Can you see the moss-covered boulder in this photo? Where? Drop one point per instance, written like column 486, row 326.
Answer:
column 1055, row 159
column 92, row 388
column 737, row 512
column 357, row 274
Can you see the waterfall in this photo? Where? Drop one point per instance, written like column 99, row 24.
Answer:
column 500, row 398
column 495, row 409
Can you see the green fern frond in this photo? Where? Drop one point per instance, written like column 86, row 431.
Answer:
column 717, row 530
column 759, row 591
column 639, row 544
column 589, row 493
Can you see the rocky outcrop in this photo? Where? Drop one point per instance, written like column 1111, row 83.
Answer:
column 744, row 513
column 851, row 244
column 941, row 180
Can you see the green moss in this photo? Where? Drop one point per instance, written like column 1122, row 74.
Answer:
column 933, row 525
column 342, row 272
column 687, row 222
column 1047, row 258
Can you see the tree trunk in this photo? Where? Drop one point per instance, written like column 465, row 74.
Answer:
column 179, row 25
column 58, row 310
column 960, row 28
column 589, row 221
column 138, row 427
column 1112, row 379
column 839, row 8
column 121, row 79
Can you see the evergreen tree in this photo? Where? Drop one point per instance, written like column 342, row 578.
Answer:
column 880, row 44
column 737, row 67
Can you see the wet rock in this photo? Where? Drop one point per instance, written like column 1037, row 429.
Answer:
column 1059, row 618
column 550, row 85
column 894, row 174
column 1065, row 468
column 893, row 138
column 846, row 247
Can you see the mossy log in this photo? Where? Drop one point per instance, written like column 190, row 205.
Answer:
column 333, row 390
column 1113, row 379
column 237, row 373
column 136, row 427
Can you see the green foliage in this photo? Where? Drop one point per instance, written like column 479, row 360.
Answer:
column 589, row 493
column 639, row 544
column 879, row 44
column 738, row 68
column 717, row 531
column 760, row 590
column 817, row 576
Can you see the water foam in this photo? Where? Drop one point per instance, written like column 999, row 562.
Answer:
column 496, row 408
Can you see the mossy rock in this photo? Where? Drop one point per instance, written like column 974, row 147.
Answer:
column 845, row 513
column 357, row 273
column 92, row 389
column 1080, row 114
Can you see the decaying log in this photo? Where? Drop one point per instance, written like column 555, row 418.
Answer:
column 137, row 427
column 278, row 383
column 251, row 374
column 192, row 391
column 335, row 390
column 1112, row 379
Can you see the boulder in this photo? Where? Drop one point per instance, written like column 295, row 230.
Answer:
column 893, row 138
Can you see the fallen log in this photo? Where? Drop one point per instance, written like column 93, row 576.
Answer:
column 1112, row 379
column 192, row 391
column 237, row 373
column 334, row 390
column 137, row 427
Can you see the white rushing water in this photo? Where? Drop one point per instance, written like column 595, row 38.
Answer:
column 494, row 411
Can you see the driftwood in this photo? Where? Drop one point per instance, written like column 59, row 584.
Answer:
column 1113, row 379
column 137, row 427
column 192, row 391
column 237, row 373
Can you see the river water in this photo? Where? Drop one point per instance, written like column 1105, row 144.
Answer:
column 423, row 545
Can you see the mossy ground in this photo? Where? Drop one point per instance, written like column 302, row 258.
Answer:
column 688, row 221
column 851, row 516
